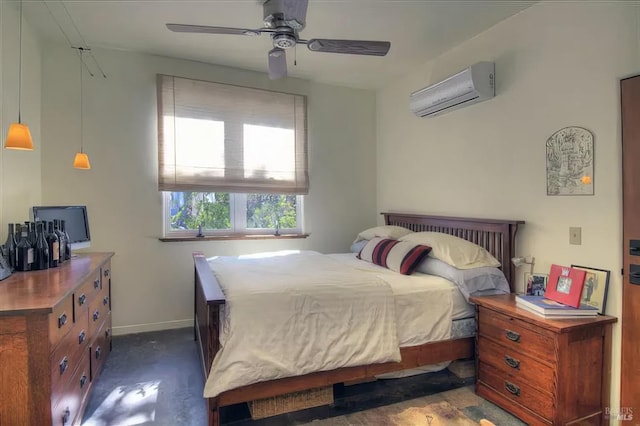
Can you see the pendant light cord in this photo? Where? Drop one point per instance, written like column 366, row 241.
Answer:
column 20, row 68
column 81, row 108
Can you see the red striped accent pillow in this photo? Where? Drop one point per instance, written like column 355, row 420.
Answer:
column 400, row 256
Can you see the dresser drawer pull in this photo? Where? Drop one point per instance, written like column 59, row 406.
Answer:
column 62, row 320
column 98, row 351
column 65, row 416
column 96, row 315
column 513, row 336
column 63, row 365
column 82, row 299
column 511, row 388
column 83, row 380
column 107, row 272
column 96, row 284
column 105, row 301
column 511, row 362
column 81, row 337
column 107, row 333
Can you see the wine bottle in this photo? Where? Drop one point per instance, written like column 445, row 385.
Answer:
column 63, row 229
column 54, row 246
column 31, row 235
column 10, row 247
column 61, row 239
column 24, row 251
column 41, row 250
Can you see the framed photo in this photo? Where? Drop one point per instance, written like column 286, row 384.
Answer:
column 565, row 285
column 536, row 283
column 596, row 285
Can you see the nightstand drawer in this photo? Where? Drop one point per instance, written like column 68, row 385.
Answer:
column 516, row 389
column 525, row 368
column 517, row 335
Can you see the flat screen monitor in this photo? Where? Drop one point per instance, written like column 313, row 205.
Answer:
column 75, row 218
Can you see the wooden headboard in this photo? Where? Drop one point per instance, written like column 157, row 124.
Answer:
column 497, row 236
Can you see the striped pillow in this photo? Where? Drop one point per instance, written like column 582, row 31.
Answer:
column 399, row 256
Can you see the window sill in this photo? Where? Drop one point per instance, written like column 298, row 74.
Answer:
column 233, row 237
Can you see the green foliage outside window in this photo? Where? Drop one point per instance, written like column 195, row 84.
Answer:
column 192, row 209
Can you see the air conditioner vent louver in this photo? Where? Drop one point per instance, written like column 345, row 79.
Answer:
column 469, row 86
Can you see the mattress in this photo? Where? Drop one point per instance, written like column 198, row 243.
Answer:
column 412, row 295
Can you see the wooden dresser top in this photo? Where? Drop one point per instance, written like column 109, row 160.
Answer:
column 506, row 304
column 40, row 291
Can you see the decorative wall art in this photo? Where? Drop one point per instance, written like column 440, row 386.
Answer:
column 570, row 162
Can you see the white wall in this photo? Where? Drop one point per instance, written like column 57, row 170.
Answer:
column 152, row 279
column 557, row 65
column 20, row 186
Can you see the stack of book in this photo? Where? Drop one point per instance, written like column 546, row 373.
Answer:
column 551, row 309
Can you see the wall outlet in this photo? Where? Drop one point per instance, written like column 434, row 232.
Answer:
column 575, row 235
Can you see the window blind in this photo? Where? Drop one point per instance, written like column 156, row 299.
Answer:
column 216, row 137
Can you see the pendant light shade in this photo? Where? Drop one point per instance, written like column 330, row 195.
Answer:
column 81, row 161
column 19, row 137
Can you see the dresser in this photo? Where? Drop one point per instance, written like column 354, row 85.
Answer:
column 546, row 372
column 55, row 336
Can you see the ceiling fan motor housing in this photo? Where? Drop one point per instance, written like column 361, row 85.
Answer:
column 284, row 39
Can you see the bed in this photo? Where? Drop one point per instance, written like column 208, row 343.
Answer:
column 496, row 236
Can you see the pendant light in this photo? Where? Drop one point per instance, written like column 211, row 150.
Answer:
column 81, row 160
column 19, row 136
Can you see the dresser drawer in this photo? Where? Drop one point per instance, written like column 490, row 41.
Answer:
column 68, row 355
column 67, row 402
column 517, row 335
column 101, row 348
column 98, row 311
column 86, row 293
column 60, row 320
column 516, row 389
column 523, row 367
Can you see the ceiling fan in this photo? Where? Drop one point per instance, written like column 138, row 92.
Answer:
column 283, row 20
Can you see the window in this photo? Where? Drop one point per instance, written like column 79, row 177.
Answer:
column 222, row 213
column 230, row 159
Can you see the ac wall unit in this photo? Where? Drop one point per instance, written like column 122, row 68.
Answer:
column 469, row 86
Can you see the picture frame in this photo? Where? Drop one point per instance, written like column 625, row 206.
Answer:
column 565, row 285
column 596, row 287
column 536, row 284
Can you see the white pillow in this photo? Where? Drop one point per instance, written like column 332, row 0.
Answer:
column 384, row 231
column 455, row 251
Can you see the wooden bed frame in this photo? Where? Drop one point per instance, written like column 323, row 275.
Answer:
column 497, row 236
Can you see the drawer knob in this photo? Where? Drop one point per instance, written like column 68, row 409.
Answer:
column 83, row 380
column 98, row 351
column 82, row 299
column 65, row 416
column 107, row 333
column 107, row 272
column 513, row 336
column 511, row 362
column 96, row 315
column 62, row 320
column 63, row 365
column 81, row 337
column 511, row 388
column 96, row 284
column 105, row 301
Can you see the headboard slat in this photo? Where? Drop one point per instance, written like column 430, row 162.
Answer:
column 497, row 236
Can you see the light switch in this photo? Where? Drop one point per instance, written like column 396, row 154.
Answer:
column 575, row 235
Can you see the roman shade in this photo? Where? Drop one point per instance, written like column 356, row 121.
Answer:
column 216, row 137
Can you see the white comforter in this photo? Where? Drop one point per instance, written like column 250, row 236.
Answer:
column 296, row 313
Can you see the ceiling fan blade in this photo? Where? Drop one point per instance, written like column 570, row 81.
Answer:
column 351, row 47
column 277, row 63
column 183, row 28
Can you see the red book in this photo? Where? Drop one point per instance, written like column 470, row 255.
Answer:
column 565, row 285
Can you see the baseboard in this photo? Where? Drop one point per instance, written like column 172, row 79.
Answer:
column 154, row 326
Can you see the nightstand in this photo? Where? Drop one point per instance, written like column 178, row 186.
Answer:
column 546, row 372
